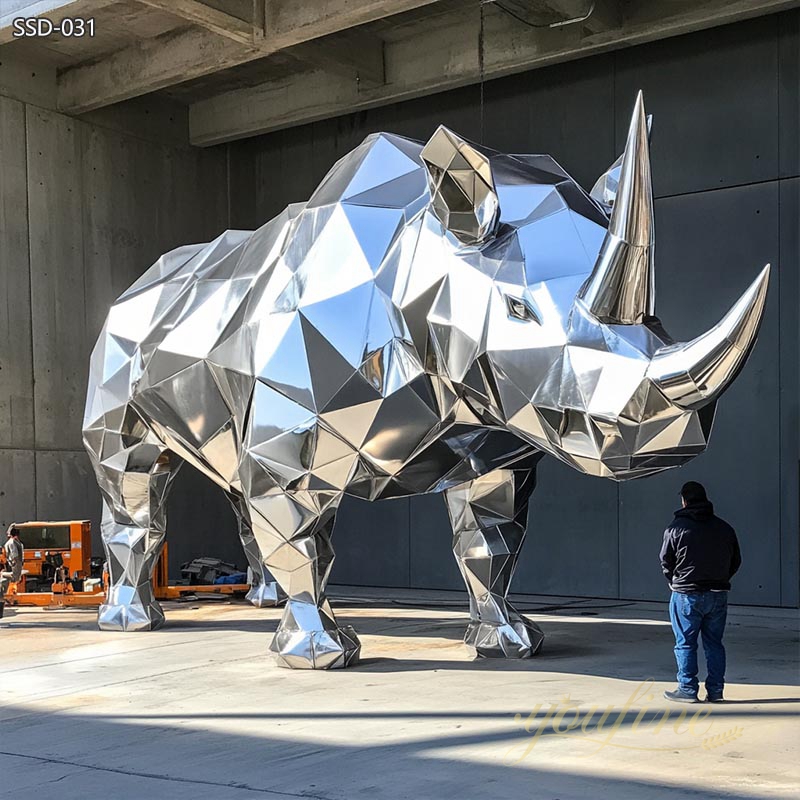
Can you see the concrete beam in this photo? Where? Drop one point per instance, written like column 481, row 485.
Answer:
column 54, row 10
column 353, row 55
column 444, row 58
column 180, row 56
column 211, row 19
column 28, row 82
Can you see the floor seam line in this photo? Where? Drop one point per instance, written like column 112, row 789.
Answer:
column 154, row 776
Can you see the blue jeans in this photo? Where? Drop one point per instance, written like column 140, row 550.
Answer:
column 693, row 614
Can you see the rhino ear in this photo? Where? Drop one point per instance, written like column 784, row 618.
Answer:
column 463, row 195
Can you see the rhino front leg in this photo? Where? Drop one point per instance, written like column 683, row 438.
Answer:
column 489, row 517
column 293, row 532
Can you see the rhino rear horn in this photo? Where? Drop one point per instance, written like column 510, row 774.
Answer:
column 605, row 188
column 463, row 195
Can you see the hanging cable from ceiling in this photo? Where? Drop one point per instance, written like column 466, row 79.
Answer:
column 481, row 61
column 558, row 24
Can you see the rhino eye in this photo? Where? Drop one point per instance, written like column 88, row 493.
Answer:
column 521, row 308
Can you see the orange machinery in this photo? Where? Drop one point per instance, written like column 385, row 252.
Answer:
column 58, row 555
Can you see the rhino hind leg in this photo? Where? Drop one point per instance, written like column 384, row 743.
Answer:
column 489, row 517
column 134, row 470
column 293, row 532
column 264, row 592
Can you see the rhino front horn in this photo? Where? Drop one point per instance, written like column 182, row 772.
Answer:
column 692, row 374
column 463, row 195
column 621, row 288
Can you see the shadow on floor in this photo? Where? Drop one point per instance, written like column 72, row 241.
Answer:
column 142, row 754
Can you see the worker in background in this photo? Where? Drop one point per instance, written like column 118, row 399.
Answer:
column 699, row 556
column 14, row 553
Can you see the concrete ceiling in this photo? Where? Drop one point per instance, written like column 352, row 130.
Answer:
column 245, row 67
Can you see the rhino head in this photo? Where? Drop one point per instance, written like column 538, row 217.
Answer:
column 555, row 334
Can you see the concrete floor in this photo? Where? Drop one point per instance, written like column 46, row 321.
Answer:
column 200, row 708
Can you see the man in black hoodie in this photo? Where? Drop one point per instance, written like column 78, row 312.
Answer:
column 699, row 557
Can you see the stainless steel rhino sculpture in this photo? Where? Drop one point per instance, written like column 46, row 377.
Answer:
column 434, row 319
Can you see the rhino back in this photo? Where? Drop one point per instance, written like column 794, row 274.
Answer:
column 338, row 377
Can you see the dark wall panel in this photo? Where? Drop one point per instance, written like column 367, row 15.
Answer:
column 200, row 522
column 710, row 247
column 714, row 100
column 433, row 565
column 788, row 93
column 572, row 543
column 789, row 294
column 566, row 111
column 371, row 542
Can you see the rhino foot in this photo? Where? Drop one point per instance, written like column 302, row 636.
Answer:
column 266, row 594
column 333, row 648
column 130, row 616
column 517, row 638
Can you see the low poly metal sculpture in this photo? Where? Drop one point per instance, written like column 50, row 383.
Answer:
column 434, row 319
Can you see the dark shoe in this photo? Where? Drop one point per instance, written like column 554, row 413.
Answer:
column 679, row 696
column 2, row 607
column 714, row 698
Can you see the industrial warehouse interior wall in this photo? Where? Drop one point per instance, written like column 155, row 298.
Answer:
column 83, row 211
column 726, row 161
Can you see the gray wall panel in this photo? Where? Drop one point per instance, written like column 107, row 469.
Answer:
column 17, row 496
column 116, row 231
column 66, row 489
column 125, row 231
column 714, row 98
column 60, row 341
column 710, row 247
column 98, row 207
column 572, row 535
column 16, row 368
column 789, row 286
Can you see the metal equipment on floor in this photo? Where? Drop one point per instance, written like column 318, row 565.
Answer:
column 59, row 570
